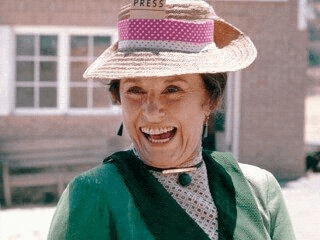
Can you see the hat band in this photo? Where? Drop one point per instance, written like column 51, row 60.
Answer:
column 165, row 34
column 161, row 45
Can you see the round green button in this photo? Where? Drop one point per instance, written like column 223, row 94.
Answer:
column 184, row 179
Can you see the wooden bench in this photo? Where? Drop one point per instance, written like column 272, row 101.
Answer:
column 60, row 173
column 53, row 161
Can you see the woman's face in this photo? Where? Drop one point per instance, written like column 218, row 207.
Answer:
column 164, row 117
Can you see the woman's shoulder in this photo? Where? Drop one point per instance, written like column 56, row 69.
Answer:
column 103, row 177
column 107, row 169
column 252, row 173
column 99, row 177
column 262, row 182
column 256, row 174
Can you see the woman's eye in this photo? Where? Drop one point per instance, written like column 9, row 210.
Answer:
column 136, row 90
column 172, row 89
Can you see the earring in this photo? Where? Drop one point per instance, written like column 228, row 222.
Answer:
column 205, row 129
column 120, row 131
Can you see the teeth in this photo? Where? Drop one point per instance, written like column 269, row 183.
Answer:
column 160, row 140
column 152, row 131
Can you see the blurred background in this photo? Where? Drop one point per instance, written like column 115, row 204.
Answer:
column 54, row 124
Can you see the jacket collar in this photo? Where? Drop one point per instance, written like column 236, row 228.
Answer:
column 165, row 218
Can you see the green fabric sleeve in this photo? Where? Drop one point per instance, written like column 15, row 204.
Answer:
column 271, row 204
column 80, row 214
column 281, row 227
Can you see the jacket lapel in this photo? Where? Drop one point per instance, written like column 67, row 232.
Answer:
column 224, row 197
column 239, row 215
column 163, row 216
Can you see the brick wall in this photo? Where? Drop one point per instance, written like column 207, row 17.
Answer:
column 60, row 12
column 272, row 93
column 273, row 88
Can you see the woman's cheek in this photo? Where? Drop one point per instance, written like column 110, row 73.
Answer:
column 174, row 104
column 128, row 105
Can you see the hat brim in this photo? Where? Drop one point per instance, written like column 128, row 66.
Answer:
column 231, row 51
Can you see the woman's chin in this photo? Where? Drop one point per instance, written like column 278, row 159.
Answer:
column 157, row 153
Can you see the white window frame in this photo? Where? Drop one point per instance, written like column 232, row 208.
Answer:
column 305, row 13
column 233, row 113
column 63, row 56
column 229, row 139
column 7, row 62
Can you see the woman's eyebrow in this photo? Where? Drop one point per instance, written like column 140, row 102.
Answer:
column 131, row 80
column 175, row 80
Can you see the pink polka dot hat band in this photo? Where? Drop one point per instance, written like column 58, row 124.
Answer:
column 165, row 34
column 180, row 37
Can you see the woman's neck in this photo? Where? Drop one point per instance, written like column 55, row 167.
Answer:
column 191, row 161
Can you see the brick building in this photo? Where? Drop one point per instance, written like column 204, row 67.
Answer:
column 47, row 107
column 312, row 136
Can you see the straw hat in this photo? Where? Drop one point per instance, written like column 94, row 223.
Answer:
column 180, row 37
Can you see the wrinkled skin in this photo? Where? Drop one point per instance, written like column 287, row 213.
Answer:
column 164, row 117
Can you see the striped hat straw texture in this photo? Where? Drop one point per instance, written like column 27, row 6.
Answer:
column 172, row 37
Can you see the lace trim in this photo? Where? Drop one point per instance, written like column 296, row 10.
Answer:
column 195, row 198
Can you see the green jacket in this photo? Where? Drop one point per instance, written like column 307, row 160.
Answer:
column 122, row 200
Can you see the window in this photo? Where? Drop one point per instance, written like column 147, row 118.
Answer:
column 49, row 64
column 36, row 71
column 83, row 50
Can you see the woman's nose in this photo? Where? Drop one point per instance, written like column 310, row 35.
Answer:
column 153, row 109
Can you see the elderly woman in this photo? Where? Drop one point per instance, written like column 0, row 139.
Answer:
column 168, row 73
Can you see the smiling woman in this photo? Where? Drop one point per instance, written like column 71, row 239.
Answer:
column 162, row 110
column 168, row 74
column 179, row 104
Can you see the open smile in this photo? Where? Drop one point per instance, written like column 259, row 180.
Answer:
column 159, row 135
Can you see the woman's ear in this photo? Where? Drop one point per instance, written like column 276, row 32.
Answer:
column 215, row 104
column 211, row 105
column 207, row 108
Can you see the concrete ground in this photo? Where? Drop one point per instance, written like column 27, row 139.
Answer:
column 303, row 202
column 302, row 198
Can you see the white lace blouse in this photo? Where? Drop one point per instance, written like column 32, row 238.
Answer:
column 195, row 198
